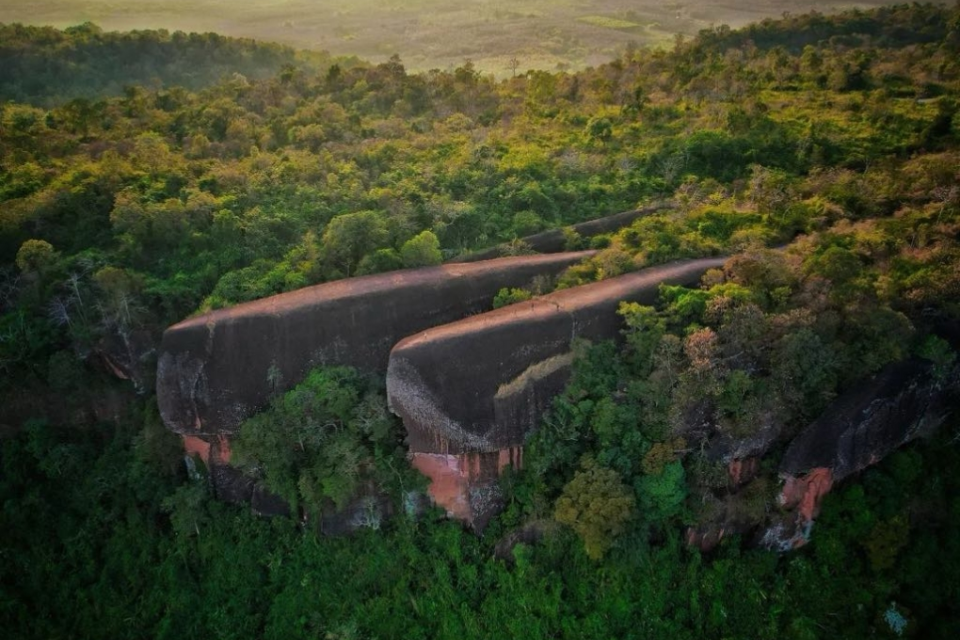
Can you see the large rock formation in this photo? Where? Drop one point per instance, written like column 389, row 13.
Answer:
column 217, row 369
column 904, row 401
column 555, row 240
column 479, row 384
column 469, row 392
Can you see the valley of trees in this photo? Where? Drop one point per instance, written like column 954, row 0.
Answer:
column 836, row 138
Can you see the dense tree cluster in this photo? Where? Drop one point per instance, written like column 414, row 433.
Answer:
column 101, row 537
column 319, row 442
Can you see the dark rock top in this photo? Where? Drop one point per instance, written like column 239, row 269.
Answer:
column 902, row 402
column 217, row 369
column 480, row 384
column 553, row 241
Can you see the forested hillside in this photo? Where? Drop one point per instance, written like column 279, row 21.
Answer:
column 834, row 138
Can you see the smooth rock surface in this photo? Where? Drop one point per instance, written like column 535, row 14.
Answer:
column 481, row 384
column 217, row 369
column 902, row 402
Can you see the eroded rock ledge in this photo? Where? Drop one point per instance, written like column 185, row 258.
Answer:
column 217, row 369
column 904, row 401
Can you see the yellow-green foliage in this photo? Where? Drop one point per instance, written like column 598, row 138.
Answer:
column 507, row 296
column 662, row 454
column 597, row 505
column 35, row 255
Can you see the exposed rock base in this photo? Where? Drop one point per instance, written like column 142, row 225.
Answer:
column 465, row 485
column 470, row 392
column 902, row 402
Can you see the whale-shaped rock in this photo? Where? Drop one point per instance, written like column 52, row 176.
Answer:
column 903, row 401
column 217, row 369
column 481, row 384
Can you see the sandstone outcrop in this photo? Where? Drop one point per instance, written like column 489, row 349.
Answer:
column 466, row 484
column 229, row 483
column 470, row 392
column 479, row 384
column 554, row 240
column 904, row 401
column 217, row 369
column 731, row 513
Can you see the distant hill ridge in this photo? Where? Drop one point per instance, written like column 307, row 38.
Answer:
column 46, row 66
column 892, row 26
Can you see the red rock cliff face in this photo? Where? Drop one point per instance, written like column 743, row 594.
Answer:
column 217, row 369
column 466, row 484
column 805, row 494
column 903, row 401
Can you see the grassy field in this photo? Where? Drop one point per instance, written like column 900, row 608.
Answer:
column 540, row 34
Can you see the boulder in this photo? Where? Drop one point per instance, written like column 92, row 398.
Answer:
column 471, row 391
column 554, row 240
column 217, row 369
column 481, row 384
